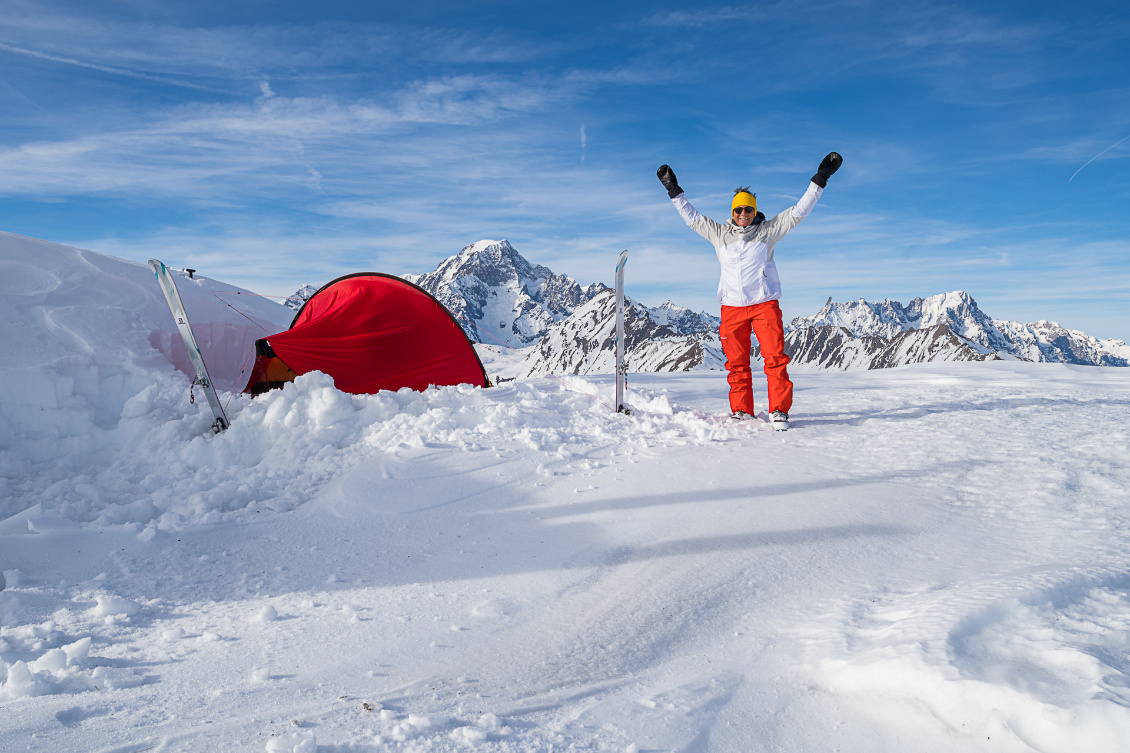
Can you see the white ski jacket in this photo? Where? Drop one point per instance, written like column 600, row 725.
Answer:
column 749, row 274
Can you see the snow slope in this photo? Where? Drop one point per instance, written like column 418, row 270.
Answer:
column 933, row 559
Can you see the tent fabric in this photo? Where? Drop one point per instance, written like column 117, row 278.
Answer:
column 370, row 332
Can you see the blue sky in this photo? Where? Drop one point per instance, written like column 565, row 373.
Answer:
column 271, row 144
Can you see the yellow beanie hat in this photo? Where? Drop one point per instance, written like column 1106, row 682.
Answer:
column 743, row 198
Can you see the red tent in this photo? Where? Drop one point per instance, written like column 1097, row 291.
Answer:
column 370, row 332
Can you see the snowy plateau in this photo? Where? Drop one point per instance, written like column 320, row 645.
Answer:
column 934, row 557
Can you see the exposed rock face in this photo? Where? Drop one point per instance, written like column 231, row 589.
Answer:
column 498, row 296
column 837, row 349
column 684, row 321
column 1039, row 341
column 1059, row 344
column 299, row 297
column 585, row 343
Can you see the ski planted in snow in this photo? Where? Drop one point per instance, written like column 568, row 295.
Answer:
column 621, row 366
column 180, row 316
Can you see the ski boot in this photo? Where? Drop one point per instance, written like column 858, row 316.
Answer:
column 779, row 420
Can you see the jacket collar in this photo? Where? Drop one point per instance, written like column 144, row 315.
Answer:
column 757, row 220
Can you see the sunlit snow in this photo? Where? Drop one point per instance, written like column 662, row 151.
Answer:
column 934, row 558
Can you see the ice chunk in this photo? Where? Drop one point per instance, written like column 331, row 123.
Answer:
column 54, row 660
column 115, row 606
column 77, row 651
column 267, row 614
column 468, row 735
column 18, row 523
column 13, row 579
column 295, row 742
column 175, row 634
column 116, row 678
column 22, row 683
column 141, row 403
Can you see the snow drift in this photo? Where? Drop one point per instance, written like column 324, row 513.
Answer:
column 89, row 343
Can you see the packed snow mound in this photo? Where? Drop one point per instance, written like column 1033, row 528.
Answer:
column 162, row 466
column 61, row 302
column 89, row 342
column 96, row 426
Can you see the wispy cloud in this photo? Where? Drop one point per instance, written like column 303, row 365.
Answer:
column 280, row 152
column 105, row 68
column 706, row 16
column 210, row 151
column 86, row 38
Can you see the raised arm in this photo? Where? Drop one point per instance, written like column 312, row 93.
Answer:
column 791, row 217
column 700, row 223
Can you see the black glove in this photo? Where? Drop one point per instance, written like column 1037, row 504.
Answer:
column 667, row 178
column 828, row 166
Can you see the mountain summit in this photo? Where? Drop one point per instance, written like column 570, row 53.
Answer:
column 1038, row 341
column 497, row 295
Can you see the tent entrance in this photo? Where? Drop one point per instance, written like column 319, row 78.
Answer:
column 270, row 373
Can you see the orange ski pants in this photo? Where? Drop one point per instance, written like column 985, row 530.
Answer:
column 764, row 320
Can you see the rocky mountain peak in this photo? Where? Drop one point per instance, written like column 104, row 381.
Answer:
column 499, row 297
column 960, row 314
column 297, row 299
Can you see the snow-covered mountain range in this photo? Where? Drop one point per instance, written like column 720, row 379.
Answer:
column 496, row 295
column 501, row 298
column 584, row 343
column 1039, row 341
column 299, row 297
column 837, row 349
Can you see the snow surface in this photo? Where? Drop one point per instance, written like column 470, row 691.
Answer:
column 933, row 559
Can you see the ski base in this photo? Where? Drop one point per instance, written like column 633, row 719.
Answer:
column 180, row 316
